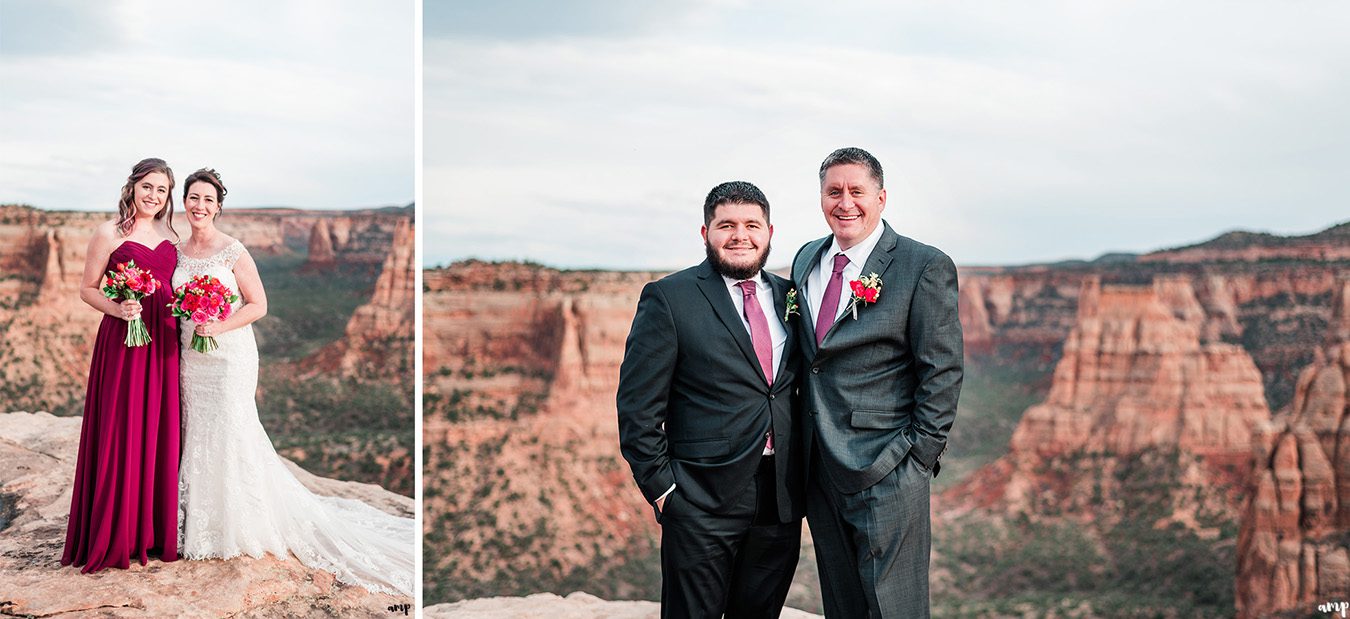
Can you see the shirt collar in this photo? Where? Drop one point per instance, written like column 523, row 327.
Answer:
column 858, row 253
column 758, row 279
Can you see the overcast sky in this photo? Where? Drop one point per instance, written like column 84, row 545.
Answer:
column 305, row 103
column 588, row 135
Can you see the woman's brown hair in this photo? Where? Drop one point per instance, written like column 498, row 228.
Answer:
column 212, row 178
column 126, row 209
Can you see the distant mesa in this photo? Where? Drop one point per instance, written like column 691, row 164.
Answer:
column 1240, row 246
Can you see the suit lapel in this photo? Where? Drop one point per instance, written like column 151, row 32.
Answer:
column 800, row 272
column 881, row 254
column 715, row 290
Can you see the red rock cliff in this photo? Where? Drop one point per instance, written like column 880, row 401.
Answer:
column 379, row 337
column 521, row 363
column 1293, row 551
column 1137, row 373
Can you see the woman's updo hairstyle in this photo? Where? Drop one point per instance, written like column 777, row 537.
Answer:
column 212, row 178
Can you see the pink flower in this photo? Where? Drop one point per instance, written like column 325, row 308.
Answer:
column 870, row 295
column 226, row 311
column 200, row 317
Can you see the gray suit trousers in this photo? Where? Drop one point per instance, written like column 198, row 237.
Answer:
column 872, row 546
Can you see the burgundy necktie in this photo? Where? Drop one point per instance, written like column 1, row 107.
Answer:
column 759, row 329
column 759, row 336
column 829, row 304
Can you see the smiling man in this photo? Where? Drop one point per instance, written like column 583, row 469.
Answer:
column 882, row 369
column 707, row 419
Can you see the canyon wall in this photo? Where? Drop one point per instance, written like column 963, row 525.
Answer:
column 378, row 340
column 1138, row 450
column 46, row 332
column 1022, row 315
column 524, row 486
column 1142, row 370
column 1136, row 372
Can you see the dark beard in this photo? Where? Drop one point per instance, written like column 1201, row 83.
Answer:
column 732, row 271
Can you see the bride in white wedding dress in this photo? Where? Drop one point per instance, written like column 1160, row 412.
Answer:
column 236, row 496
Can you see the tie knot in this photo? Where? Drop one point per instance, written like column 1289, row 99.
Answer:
column 747, row 287
column 840, row 261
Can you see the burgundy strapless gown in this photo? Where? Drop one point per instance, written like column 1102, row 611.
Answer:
column 125, row 503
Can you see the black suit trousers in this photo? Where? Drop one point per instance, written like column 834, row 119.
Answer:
column 739, row 564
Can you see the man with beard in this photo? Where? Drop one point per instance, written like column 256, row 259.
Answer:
column 707, row 418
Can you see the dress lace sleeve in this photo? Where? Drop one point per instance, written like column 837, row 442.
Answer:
column 231, row 254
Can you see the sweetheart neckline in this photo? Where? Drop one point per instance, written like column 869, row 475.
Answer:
column 134, row 242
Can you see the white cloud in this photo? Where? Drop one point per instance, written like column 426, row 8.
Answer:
column 300, row 104
column 1009, row 134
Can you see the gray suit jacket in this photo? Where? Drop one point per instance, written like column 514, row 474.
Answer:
column 884, row 386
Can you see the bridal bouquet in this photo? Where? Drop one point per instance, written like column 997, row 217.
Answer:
column 203, row 299
column 128, row 281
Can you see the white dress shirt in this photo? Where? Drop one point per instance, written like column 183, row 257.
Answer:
column 819, row 277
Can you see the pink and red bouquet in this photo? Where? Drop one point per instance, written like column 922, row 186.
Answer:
column 128, row 281
column 203, row 299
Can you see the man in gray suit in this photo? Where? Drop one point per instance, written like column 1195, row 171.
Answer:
column 882, row 355
column 707, row 419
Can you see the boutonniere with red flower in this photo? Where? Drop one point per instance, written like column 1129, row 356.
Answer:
column 865, row 290
column 791, row 303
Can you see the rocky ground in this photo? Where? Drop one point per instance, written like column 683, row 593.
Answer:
column 574, row 606
column 37, row 461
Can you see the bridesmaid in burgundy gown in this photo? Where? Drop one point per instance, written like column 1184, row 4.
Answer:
column 125, row 503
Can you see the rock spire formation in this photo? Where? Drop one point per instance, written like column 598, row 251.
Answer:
column 1293, row 547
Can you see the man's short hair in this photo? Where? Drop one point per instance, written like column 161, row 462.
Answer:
column 850, row 154
column 734, row 192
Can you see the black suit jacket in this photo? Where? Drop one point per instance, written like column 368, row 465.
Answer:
column 883, row 386
column 694, row 404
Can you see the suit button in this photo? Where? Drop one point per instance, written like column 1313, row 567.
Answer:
column 770, row 396
column 813, row 413
column 815, row 370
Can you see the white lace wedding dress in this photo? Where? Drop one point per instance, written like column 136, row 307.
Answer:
column 235, row 495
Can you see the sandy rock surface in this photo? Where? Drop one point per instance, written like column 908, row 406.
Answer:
column 37, row 462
